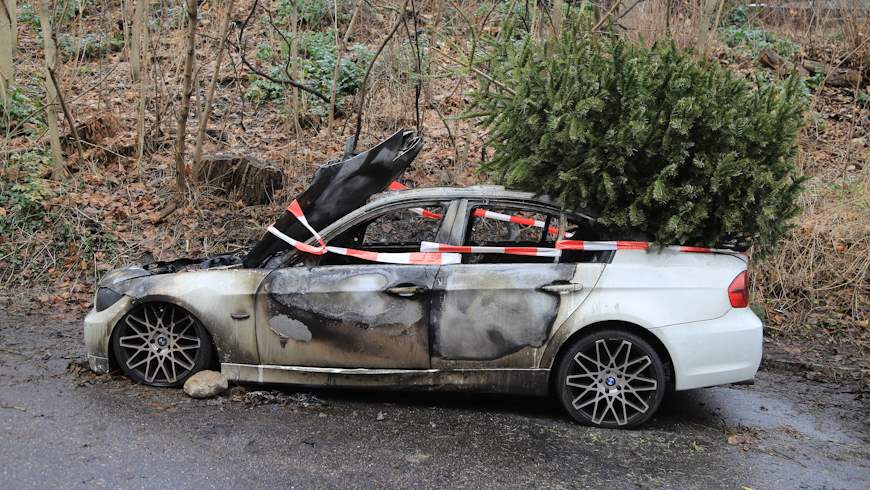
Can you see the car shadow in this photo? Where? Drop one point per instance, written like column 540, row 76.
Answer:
column 677, row 409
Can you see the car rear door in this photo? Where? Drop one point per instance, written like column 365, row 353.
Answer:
column 340, row 311
column 498, row 310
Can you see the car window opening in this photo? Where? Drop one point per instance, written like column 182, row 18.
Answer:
column 525, row 228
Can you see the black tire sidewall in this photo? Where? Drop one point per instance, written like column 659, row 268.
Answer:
column 564, row 395
column 202, row 361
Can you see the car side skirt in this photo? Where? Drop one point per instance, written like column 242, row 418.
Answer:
column 509, row 381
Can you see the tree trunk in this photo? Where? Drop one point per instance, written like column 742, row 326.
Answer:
column 704, row 23
column 7, row 46
column 206, row 111
column 340, row 43
column 186, row 89
column 294, row 56
column 51, row 103
column 137, row 39
column 252, row 180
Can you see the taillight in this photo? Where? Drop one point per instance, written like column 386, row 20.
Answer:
column 738, row 291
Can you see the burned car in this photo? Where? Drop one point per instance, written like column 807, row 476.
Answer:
column 478, row 289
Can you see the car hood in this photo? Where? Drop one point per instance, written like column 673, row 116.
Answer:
column 117, row 277
column 338, row 188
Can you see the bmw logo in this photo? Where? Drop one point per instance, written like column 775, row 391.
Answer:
column 161, row 341
column 610, row 381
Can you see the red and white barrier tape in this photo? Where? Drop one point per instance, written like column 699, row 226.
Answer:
column 465, row 249
column 442, row 254
column 482, row 213
column 421, row 258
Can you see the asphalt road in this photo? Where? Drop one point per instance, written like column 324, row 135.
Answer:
column 64, row 427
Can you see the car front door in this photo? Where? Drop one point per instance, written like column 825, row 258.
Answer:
column 498, row 310
column 348, row 313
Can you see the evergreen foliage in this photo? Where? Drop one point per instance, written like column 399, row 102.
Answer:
column 650, row 139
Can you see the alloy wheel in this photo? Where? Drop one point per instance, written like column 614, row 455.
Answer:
column 160, row 344
column 612, row 381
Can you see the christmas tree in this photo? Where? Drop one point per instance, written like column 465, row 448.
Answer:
column 649, row 138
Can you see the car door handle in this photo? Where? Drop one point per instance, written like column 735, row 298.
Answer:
column 562, row 288
column 406, row 291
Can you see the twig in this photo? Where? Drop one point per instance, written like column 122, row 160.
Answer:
column 69, row 119
column 240, row 47
column 342, row 42
column 362, row 89
column 169, row 209
column 607, row 15
column 206, row 111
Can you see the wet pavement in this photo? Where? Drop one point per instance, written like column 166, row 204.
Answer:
column 63, row 426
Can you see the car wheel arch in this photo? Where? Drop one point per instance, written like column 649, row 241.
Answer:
column 634, row 328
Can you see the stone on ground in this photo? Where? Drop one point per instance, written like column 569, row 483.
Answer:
column 205, row 384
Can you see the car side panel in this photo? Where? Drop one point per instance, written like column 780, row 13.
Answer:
column 223, row 300
column 495, row 316
column 654, row 289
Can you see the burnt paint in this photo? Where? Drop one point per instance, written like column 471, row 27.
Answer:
column 212, row 296
column 489, row 311
column 342, row 316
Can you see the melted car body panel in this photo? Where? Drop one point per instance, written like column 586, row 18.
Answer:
column 499, row 315
column 219, row 298
column 345, row 316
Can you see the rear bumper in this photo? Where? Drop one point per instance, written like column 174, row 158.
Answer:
column 714, row 352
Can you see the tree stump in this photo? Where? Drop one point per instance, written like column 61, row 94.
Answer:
column 254, row 181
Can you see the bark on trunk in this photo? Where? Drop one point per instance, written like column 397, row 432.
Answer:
column 206, row 111
column 51, row 104
column 7, row 46
column 137, row 39
column 186, row 89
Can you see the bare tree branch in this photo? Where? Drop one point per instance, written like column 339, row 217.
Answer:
column 240, row 47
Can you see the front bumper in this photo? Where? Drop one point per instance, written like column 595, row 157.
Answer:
column 98, row 332
column 714, row 352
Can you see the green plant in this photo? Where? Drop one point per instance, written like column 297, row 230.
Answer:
column 264, row 52
column 63, row 11
column 263, row 90
column 315, row 14
column 317, row 59
column 651, row 139
column 91, row 45
column 739, row 33
column 18, row 110
column 23, row 191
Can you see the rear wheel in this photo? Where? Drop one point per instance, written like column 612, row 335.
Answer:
column 612, row 379
column 161, row 344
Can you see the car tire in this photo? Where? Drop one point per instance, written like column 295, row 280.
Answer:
column 161, row 344
column 611, row 379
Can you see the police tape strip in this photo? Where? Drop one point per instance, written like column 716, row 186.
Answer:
column 432, row 253
column 465, row 249
column 590, row 246
column 482, row 213
column 422, row 258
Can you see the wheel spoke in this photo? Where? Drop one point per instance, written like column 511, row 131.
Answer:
column 593, row 361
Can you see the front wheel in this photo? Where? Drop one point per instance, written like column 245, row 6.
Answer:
column 611, row 379
column 161, row 344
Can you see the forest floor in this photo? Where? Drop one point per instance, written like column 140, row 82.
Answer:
column 58, row 238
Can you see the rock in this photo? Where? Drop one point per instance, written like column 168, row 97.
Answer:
column 205, row 384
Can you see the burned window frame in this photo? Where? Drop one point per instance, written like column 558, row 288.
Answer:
column 463, row 230
column 365, row 214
